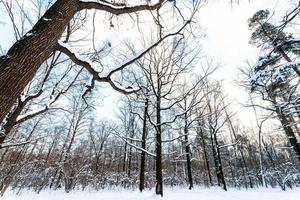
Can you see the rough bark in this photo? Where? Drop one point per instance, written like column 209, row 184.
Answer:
column 23, row 59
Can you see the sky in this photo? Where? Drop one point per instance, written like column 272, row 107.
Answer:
column 226, row 42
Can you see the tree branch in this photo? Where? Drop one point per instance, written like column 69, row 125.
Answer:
column 62, row 47
column 118, row 9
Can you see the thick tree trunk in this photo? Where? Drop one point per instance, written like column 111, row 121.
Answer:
column 214, row 153
column 24, row 58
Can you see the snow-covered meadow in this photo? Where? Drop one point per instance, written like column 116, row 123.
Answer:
column 169, row 194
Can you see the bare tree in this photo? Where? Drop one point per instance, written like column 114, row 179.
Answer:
column 215, row 121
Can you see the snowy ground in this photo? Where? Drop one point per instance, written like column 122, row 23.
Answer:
column 170, row 194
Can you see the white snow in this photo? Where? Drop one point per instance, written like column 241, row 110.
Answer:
column 106, row 4
column 131, row 4
column 20, row 117
column 46, row 19
column 28, row 34
column 135, row 146
column 77, row 54
column 169, row 194
column 127, row 89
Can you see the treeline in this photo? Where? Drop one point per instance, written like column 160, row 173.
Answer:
column 94, row 156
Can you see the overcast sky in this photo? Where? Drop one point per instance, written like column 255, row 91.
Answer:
column 226, row 41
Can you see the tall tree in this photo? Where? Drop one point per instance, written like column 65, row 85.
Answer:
column 274, row 75
column 163, row 68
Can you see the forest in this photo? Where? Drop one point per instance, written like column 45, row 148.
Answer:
column 172, row 119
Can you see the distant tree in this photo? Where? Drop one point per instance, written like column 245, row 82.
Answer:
column 76, row 125
column 192, row 101
column 215, row 121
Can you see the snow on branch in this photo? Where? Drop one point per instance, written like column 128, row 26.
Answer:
column 88, row 65
column 31, row 114
column 13, row 145
column 173, row 139
column 116, row 8
column 227, row 145
column 46, row 107
column 8, row 145
column 134, row 146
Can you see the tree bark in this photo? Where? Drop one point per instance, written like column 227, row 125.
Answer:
column 23, row 59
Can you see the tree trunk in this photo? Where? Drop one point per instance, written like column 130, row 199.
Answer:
column 286, row 127
column 159, row 179
column 220, row 167
column 124, row 157
column 24, row 58
column 143, row 154
column 188, row 154
column 217, row 159
column 289, row 132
